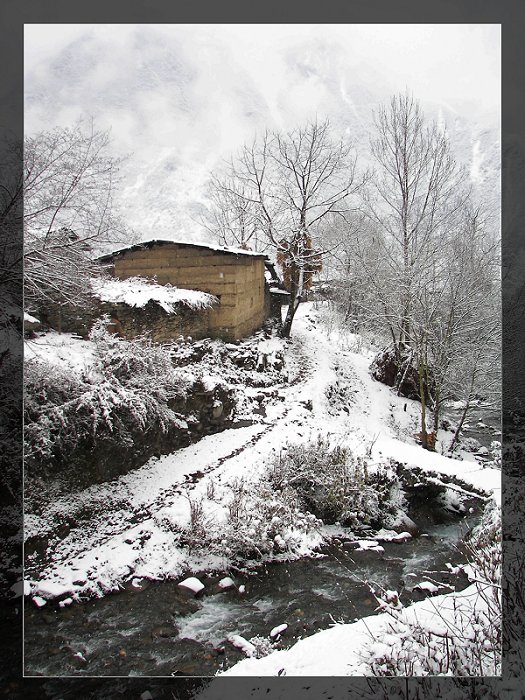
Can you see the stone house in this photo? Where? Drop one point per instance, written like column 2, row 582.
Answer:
column 236, row 278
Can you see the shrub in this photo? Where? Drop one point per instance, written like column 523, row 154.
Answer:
column 263, row 646
column 337, row 486
column 128, row 386
column 255, row 522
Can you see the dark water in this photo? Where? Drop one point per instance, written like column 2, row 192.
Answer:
column 158, row 630
column 482, row 423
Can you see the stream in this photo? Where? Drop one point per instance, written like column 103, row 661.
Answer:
column 156, row 628
column 482, row 423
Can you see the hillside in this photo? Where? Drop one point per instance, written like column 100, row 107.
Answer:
column 190, row 101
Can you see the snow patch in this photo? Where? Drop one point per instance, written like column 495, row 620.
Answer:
column 138, row 291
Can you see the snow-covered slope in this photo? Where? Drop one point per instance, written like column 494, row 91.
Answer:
column 329, row 392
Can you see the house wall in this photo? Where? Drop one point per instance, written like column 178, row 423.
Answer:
column 129, row 321
column 238, row 282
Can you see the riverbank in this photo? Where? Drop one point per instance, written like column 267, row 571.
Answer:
column 114, row 535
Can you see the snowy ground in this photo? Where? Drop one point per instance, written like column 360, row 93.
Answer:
column 130, row 531
column 347, row 649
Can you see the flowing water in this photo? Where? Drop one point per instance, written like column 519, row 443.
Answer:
column 482, row 423
column 159, row 630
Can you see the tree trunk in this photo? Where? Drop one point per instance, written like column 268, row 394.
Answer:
column 296, row 296
column 465, row 411
column 423, row 434
column 459, row 426
column 437, row 411
column 287, row 324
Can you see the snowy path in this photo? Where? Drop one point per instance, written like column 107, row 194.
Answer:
column 124, row 528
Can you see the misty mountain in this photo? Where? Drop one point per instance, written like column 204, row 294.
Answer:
column 180, row 104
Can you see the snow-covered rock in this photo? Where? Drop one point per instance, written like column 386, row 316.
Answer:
column 278, row 630
column 241, row 643
column 226, row 582
column 192, row 584
column 48, row 589
column 370, row 545
column 393, row 536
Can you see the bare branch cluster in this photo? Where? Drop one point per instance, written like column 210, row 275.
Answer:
column 278, row 190
column 69, row 180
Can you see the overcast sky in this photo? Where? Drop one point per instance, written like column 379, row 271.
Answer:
column 180, row 97
column 444, row 61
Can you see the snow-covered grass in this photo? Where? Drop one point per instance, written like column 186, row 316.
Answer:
column 60, row 349
column 158, row 521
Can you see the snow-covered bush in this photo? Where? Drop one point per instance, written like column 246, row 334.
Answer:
column 462, row 638
column 336, row 485
column 129, row 385
column 495, row 455
column 255, row 522
column 261, row 522
column 262, row 645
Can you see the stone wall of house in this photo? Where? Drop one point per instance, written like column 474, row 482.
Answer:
column 237, row 280
column 130, row 321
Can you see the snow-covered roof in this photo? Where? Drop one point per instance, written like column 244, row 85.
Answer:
column 159, row 242
column 137, row 291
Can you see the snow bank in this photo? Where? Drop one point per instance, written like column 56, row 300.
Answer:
column 344, row 649
column 138, row 291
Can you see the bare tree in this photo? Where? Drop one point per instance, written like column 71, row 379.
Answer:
column 232, row 217
column 414, row 198
column 421, row 264
column 294, row 180
column 69, row 214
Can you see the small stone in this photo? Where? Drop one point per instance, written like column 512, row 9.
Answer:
column 226, row 582
column 164, row 631
column 192, row 584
